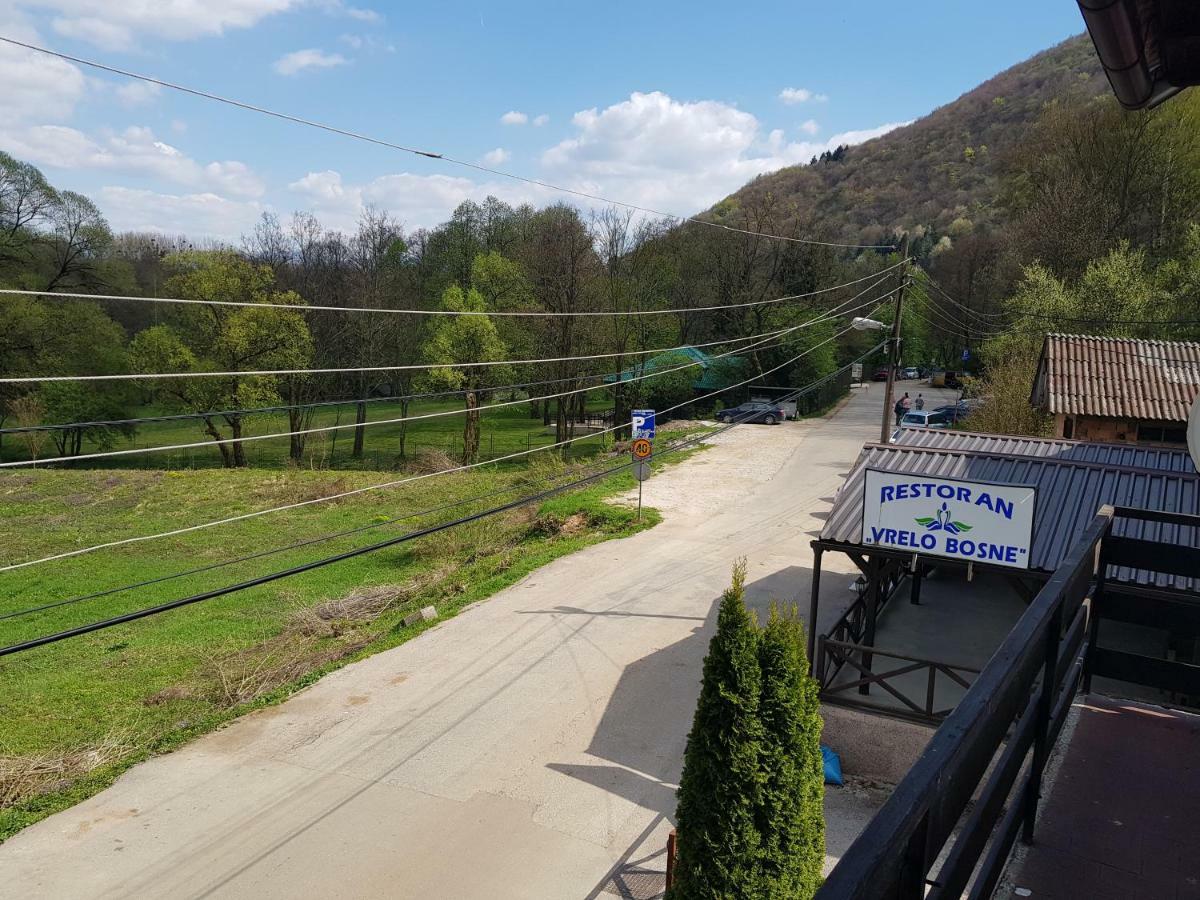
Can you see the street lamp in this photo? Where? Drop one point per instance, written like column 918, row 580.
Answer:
column 860, row 324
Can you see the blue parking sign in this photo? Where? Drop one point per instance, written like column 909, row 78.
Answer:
column 643, row 424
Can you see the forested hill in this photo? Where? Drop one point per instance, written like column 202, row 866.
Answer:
column 942, row 167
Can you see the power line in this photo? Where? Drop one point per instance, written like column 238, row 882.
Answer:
column 199, row 570
column 977, row 312
column 255, row 410
column 947, row 320
column 129, row 376
column 387, row 484
column 359, row 551
column 221, row 442
column 309, row 307
column 428, row 154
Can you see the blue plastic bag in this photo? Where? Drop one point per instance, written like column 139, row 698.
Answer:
column 833, row 766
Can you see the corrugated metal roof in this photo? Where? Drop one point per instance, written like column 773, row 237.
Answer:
column 1081, row 375
column 1074, row 479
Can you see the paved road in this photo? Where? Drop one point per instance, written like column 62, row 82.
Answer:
column 528, row 748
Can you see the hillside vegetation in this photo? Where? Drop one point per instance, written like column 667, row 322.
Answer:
column 943, row 167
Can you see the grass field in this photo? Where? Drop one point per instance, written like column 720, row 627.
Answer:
column 77, row 713
column 504, row 430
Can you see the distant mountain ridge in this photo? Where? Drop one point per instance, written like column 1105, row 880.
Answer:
column 942, row 167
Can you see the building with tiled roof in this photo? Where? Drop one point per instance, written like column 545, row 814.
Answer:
column 1117, row 389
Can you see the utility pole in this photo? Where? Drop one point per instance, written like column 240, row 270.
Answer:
column 894, row 350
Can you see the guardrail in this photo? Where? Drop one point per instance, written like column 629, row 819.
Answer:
column 1003, row 728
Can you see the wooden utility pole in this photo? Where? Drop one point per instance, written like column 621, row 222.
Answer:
column 894, row 350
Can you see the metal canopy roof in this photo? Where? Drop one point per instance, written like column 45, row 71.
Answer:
column 1073, row 478
column 1084, row 375
column 1149, row 48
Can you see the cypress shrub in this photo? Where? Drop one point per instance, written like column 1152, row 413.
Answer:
column 790, row 816
column 718, row 843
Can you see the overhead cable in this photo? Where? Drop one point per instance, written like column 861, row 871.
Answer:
column 388, row 484
column 130, row 376
column 428, row 154
column 539, row 313
column 359, row 551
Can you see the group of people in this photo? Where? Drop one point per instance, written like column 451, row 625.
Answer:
column 904, row 404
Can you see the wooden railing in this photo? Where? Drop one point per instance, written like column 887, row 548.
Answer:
column 1003, row 728
column 834, row 655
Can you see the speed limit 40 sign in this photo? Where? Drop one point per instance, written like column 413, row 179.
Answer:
column 642, row 449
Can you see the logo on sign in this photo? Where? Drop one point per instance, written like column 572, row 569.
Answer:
column 972, row 522
column 642, row 449
column 643, row 423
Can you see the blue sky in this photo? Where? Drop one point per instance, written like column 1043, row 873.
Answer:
column 666, row 104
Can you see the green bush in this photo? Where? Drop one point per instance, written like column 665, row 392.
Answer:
column 750, row 816
column 717, row 843
column 790, row 817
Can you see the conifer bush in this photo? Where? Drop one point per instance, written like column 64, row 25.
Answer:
column 750, row 819
column 717, row 851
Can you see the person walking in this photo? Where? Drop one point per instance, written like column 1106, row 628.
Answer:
column 919, row 403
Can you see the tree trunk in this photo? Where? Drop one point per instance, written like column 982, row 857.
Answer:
column 239, row 449
column 471, row 428
column 535, row 409
column 298, row 420
column 360, row 416
column 211, row 430
column 545, row 413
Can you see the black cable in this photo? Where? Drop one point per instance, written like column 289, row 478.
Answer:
column 413, row 535
column 275, row 550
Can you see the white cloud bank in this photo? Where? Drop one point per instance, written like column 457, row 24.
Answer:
column 650, row 150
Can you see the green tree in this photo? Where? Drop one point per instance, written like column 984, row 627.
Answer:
column 224, row 339
column 791, row 817
column 718, row 840
column 457, row 339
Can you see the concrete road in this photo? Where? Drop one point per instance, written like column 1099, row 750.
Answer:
column 529, row 748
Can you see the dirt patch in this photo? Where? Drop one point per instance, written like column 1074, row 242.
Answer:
column 428, row 461
column 22, row 777
column 77, row 499
column 244, row 675
column 169, row 695
column 307, row 492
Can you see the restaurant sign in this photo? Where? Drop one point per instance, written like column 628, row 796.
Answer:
column 964, row 520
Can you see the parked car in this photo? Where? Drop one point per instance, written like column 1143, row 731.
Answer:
column 925, row 418
column 880, row 375
column 956, row 412
column 912, row 372
column 754, row 411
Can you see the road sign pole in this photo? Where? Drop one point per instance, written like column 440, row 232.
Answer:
column 639, row 516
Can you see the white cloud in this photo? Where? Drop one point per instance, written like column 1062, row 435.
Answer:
column 363, row 15
column 353, row 41
column 792, row 96
column 134, row 151
column 678, row 157
column 541, row 120
column 138, row 93
column 299, row 60
column 512, row 117
column 35, row 86
column 416, row 200
column 810, row 126
column 118, row 25
column 197, row 215
column 496, row 157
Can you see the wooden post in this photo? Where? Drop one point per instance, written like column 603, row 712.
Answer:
column 914, row 596
column 670, row 859
column 873, row 589
column 894, row 350
column 813, row 603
